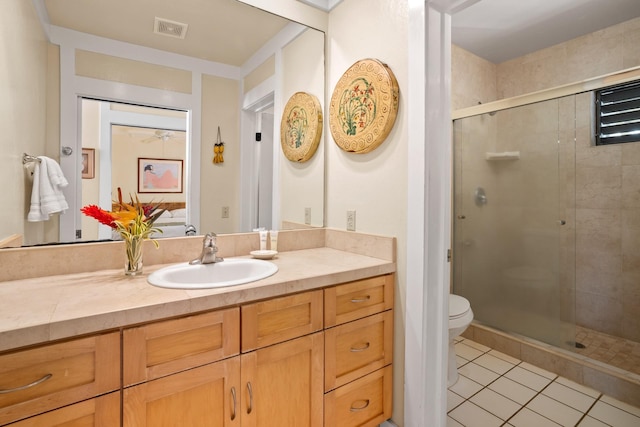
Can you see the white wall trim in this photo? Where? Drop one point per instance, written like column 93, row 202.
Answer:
column 428, row 210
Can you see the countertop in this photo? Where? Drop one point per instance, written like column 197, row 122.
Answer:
column 43, row 309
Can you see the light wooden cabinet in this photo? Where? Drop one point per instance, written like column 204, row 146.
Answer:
column 358, row 353
column 44, row 378
column 102, row 411
column 312, row 359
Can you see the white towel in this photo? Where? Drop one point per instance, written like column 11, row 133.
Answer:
column 46, row 194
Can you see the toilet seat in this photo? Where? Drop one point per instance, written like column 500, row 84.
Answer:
column 458, row 306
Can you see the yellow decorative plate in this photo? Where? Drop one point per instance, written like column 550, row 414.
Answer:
column 363, row 106
column 301, row 127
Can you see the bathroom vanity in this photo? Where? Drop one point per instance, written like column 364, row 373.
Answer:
column 311, row 345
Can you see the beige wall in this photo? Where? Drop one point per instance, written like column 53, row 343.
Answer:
column 302, row 184
column 220, row 182
column 373, row 184
column 261, row 73
column 604, row 183
column 22, row 118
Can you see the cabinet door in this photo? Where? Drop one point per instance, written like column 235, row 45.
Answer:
column 207, row 396
column 282, row 384
column 54, row 375
column 354, row 300
column 163, row 348
column 103, row 411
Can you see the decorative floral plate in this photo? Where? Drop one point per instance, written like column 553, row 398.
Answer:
column 301, row 127
column 363, row 106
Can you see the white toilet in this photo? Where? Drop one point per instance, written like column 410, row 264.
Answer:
column 460, row 317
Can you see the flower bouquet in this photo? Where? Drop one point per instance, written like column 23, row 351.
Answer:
column 134, row 222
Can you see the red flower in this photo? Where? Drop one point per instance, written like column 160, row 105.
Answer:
column 103, row 217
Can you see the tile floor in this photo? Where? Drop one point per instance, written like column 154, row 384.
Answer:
column 615, row 351
column 495, row 389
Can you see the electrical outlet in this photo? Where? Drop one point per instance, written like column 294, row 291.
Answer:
column 307, row 216
column 351, row 220
column 225, row 212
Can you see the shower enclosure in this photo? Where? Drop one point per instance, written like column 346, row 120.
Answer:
column 547, row 225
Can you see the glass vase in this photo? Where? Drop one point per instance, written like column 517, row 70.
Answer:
column 133, row 252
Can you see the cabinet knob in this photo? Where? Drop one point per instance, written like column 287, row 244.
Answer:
column 359, row 408
column 24, row 387
column 250, row 407
column 233, row 396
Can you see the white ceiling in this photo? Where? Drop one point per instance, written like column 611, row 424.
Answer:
column 229, row 31
column 499, row 30
column 225, row 31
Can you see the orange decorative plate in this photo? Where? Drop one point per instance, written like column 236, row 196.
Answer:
column 301, row 127
column 363, row 106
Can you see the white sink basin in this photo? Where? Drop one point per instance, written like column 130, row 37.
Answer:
column 229, row 272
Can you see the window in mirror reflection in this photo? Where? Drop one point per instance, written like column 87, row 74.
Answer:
column 120, row 134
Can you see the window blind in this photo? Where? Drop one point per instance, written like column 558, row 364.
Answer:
column 618, row 114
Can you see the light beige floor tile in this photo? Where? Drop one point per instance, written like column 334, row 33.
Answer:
column 494, row 363
column 453, row 423
column 465, row 387
column 460, row 361
column 527, row 378
column 478, row 373
column 591, row 422
column 469, row 415
column 467, row 352
column 477, row 346
column 554, row 410
column 496, row 404
column 513, row 390
column 578, row 387
column 504, row 357
column 453, row 400
column 539, row 371
column 621, row 405
column 613, row 416
column 569, row 396
column 528, row 418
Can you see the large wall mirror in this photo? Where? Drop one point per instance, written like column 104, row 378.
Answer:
column 128, row 81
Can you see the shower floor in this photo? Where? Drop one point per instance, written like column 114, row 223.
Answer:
column 615, row 351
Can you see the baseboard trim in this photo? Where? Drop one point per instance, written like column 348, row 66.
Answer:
column 388, row 423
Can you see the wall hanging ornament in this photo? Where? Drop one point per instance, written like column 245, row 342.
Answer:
column 301, row 127
column 364, row 106
column 218, row 149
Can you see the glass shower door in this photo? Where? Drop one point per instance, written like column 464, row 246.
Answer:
column 513, row 216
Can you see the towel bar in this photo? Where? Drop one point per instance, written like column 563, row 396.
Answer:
column 29, row 159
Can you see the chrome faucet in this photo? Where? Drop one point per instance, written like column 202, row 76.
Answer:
column 209, row 251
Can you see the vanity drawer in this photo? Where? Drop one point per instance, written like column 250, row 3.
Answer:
column 159, row 349
column 357, row 348
column 103, row 411
column 364, row 402
column 280, row 319
column 353, row 300
column 55, row 375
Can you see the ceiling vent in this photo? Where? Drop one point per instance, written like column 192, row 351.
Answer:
column 170, row 28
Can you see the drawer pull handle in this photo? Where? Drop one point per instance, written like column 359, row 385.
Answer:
column 24, row 387
column 233, row 396
column 250, row 408
column 361, row 348
column 361, row 299
column 361, row 407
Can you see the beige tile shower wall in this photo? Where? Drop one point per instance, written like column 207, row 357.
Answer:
column 608, row 232
column 473, row 79
column 602, row 52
